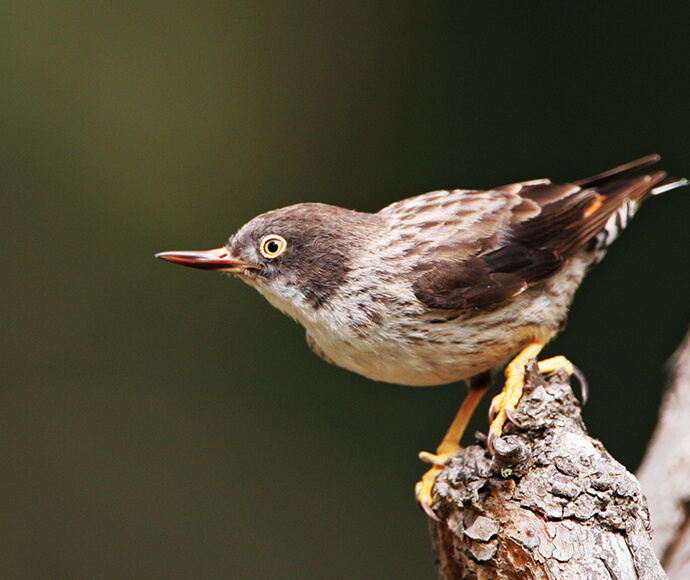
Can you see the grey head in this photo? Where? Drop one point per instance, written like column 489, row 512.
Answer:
column 297, row 256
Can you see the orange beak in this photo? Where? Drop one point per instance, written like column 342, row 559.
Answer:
column 218, row 259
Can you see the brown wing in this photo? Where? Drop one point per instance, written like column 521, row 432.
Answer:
column 589, row 213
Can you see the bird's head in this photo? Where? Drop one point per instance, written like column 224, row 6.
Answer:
column 300, row 254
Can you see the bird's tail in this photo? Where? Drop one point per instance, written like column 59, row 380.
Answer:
column 620, row 194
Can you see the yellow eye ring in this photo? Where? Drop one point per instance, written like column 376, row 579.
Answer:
column 272, row 246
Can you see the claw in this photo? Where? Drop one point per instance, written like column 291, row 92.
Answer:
column 422, row 491
column 511, row 418
column 490, row 443
column 495, row 407
column 584, row 387
column 426, row 508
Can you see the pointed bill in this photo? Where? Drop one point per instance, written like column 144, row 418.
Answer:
column 220, row 259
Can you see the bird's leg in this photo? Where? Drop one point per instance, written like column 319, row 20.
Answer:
column 450, row 444
column 503, row 405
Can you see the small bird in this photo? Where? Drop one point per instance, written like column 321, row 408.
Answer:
column 440, row 287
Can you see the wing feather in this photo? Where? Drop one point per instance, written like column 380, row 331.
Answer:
column 536, row 236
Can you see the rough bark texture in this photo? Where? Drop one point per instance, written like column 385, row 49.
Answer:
column 665, row 471
column 552, row 504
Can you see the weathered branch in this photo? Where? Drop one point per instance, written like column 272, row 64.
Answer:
column 552, row 504
column 665, row 471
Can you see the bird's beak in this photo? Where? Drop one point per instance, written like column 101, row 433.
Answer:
column 218, row 259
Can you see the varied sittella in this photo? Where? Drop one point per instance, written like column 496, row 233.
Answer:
column 440, row 287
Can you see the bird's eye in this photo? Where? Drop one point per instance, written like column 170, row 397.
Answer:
column 272, row 246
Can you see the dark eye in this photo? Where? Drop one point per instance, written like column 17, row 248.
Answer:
column 272, row 246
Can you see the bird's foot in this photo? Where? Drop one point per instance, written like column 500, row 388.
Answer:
column 553, row 364
column 424, row 486
column 503, row 405
column 450, row 444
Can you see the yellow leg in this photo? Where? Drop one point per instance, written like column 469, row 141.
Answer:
column 503, row 405
column 449, row 446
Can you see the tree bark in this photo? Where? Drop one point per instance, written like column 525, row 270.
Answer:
column 551, row 504
column 665, row 471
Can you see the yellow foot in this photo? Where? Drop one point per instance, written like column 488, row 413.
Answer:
column 503, row 405
column 551, row 365
column 424, row 487
column 450, row 445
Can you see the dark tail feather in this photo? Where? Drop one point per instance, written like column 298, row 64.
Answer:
column 621, row 194
column 618, row 207
column 617, row 172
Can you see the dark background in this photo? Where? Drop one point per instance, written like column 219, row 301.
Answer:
column 158, row 422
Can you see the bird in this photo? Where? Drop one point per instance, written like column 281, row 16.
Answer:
column 441, row 287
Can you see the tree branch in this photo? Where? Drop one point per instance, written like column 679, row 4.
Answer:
column 665, row 470
column 551, row 504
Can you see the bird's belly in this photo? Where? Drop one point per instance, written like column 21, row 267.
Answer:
column 424, row 354
column 439, row 347
column 433, row 347
column 422, row 366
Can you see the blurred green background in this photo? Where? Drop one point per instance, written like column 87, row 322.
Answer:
column 159, row 422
